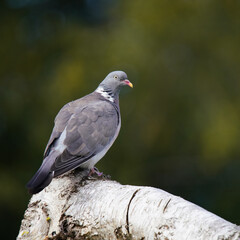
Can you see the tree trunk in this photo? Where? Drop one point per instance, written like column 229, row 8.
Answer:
column 72, row 208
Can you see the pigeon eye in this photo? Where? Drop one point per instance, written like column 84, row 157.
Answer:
column 115, row 76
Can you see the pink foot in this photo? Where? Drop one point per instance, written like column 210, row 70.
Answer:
column 95, row 171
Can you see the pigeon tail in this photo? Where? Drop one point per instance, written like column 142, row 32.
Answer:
column 43, row 176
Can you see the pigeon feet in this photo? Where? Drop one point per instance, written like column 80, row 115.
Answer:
column 94, row 174
column 95, row 171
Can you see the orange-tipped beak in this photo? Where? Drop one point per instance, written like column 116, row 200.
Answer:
column 127, row 82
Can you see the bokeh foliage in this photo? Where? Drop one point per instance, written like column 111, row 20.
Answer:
column 180, row 124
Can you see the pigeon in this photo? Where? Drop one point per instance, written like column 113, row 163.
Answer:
column 84, row 131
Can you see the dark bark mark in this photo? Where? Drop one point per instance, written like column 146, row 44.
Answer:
column 127, row 217
column 164, row 209
column 159, row 203
column 46, row 212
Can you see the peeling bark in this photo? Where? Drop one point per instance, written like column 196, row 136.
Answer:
column 72, row 208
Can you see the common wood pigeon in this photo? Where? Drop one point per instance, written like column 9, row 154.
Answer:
column 84, row 131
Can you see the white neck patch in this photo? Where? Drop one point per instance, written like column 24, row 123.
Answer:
column 105, row 94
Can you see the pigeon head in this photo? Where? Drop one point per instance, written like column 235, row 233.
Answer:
column 113, row 83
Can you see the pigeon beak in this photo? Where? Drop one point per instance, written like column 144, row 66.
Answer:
column 127, row 82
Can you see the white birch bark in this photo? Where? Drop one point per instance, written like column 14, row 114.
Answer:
column 102, row 209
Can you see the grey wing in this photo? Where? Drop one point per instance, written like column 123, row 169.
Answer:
column 60, row 123
column 88, row 132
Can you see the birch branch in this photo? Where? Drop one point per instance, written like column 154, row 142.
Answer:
column 70, row 208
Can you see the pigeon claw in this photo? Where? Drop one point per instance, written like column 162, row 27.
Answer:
column 95, row 171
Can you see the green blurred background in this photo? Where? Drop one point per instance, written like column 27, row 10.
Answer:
column 180, row 123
